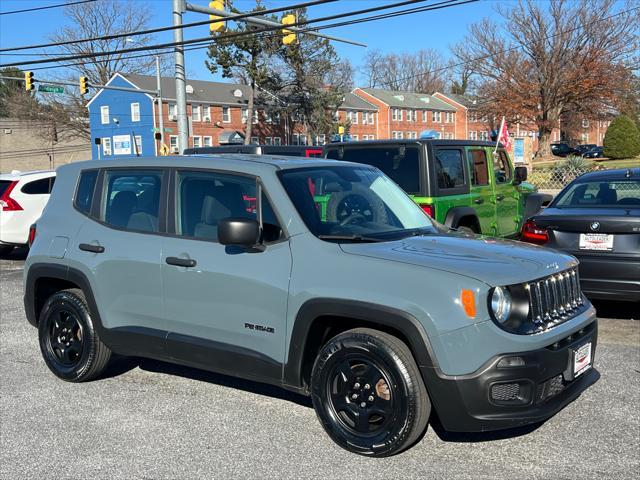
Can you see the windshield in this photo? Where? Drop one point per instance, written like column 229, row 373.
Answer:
column 353, row 203
column 607, row 194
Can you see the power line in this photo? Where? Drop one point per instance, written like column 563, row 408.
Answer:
column 208, row 39
column 517, row 47
column 46, row 7
column 167, row 28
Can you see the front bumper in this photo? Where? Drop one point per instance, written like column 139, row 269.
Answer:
column 467, row 403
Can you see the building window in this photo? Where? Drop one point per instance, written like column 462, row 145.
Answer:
column 268, row 140
column 197, row 142
column 173, row 144
column 245, row 115
column 138, row 140
column 396, row 114
column 397, row 135
column 473, row 135
column 436, row 117
column 412, row 135
column 207, row 113
column 104, row 114
column 322, row 139
column 365, row 118
column 255, row 140
column 295, row 139
column 372, row 118
column 206, row 141
column 354, row 138
column 135, row 112
column 585, row 123
column 473, row 116
column 412, row 115
column 303, row 139
column 424, row 115
column 485, row 118
column 106, row 146
column 196, row 113
column 277, row 141
column 484, row 136
column 226, row 115
column 585, row 138
column 353, row 117
column 255, row 117
column 172, row 111
column 449, row 117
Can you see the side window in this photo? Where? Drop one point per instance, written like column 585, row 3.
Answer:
column 449, row 168
column 501, row 168
column 39, row 187
column 205, row 198
column 84, row 193
column 478, row 167
column 400, row 164
column 132, row 199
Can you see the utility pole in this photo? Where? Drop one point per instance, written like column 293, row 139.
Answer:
column 181, row 94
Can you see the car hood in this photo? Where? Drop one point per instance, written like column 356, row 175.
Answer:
column 490, row 260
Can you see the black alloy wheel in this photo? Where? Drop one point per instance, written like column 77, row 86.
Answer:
column 368, row 393
column 70, row 345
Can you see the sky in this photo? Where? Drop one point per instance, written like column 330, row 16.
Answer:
column 433, row 29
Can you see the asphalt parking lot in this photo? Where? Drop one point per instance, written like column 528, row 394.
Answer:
column 150, row 420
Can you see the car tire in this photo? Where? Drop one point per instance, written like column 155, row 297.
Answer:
column 368, row 393
column 69, row 342
column 5, row 250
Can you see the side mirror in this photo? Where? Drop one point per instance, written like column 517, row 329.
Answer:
column 520, row 175
column 239, row 232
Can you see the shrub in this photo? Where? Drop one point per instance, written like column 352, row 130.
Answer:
column 622, row 139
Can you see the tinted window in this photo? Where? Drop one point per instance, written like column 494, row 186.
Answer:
column 4, row 184
column 478, row 167
column 401, row 164
column 84, row 194
column 501, row 167
column 132, row 199
column 205, row 198
column 601, row 194
column 39, row 187
column 449, row 168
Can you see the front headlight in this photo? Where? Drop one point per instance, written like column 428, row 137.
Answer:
column 501, row 304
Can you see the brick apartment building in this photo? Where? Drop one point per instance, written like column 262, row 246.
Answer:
column 125, row 122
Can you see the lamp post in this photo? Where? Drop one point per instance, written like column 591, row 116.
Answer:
column 159, row 96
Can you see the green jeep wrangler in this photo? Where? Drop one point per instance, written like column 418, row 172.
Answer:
column 460, row 183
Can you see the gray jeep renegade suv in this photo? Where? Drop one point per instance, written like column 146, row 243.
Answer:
column 320, row 276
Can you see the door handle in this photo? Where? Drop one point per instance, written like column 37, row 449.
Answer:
column 181, row 262
column 499, row 198
column 479, row 201
column 87, row 247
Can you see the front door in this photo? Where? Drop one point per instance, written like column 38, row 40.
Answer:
column 481, row 191
column 506, row 195
column 225, row 307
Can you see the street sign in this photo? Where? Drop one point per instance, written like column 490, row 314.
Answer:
column 50, row 89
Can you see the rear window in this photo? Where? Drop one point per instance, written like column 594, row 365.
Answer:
column 39, row 187
column 616, row 193
column 4, row 184
column 84, row 193
column 400, row 163
column 449, row 167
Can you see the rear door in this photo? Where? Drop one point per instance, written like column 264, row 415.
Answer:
column 481, row 190
column 505, row 195
column 121, row 245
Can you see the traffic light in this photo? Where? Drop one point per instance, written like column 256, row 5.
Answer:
column 217, row 24
column 28, row 81
column 84, row 86
column 289, row 35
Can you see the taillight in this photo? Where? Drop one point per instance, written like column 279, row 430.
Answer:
column 7, row 203
column 32, row 235
column 428, row 209
column 532, row 233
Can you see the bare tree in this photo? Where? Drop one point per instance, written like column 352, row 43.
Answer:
column 552, row 58
column 422, row 71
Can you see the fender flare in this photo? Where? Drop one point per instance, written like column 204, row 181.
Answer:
column 368, row 313
column 533, row 203
column 455, row 214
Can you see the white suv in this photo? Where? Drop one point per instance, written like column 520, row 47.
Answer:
column 23, row 196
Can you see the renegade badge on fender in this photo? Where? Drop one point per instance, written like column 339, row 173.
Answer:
column 381, row 315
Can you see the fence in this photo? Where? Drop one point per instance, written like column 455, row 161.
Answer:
column 555, row 178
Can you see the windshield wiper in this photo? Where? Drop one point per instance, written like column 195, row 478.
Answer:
column 351, row 238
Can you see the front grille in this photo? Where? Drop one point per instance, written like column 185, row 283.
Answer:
column 554, row 298
column 549, row 389
column 505, row 392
